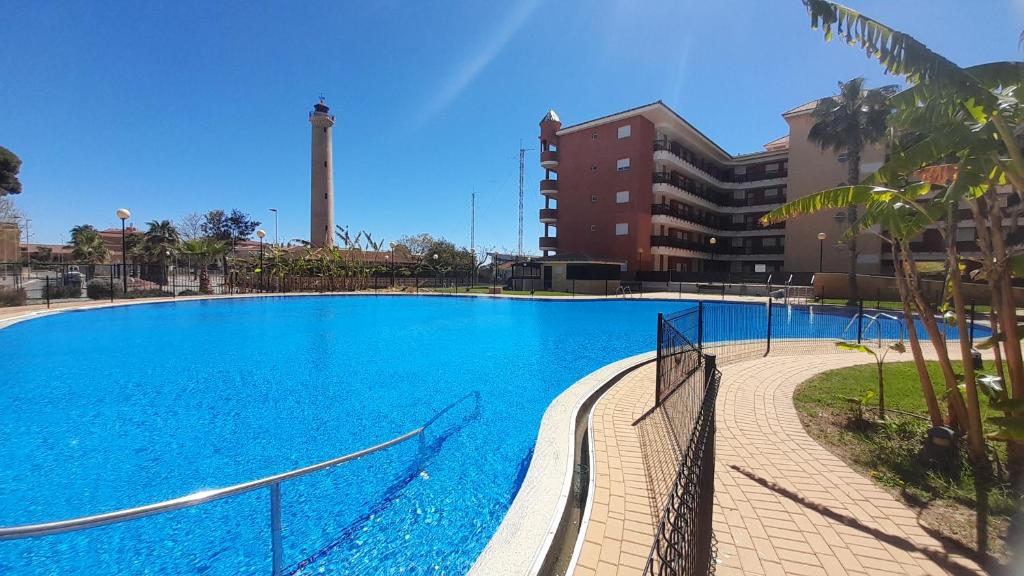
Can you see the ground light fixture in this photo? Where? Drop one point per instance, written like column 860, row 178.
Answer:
column 821, row 248
column 123, row 214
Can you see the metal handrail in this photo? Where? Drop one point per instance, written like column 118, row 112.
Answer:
column 194, row 499
column 204, row 496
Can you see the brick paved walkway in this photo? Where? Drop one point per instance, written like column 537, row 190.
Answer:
column 784, row 504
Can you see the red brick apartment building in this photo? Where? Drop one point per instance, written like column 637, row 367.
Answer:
column 646, row 188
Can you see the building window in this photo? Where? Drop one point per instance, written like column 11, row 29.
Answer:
column 740, row 170
column 622, row 197
column 593, row 135
column 964, row 234
column 622, row 229
column 622, row 164
column 325, row 130
column 623, row 267
column 624, row 131
column 593, row 198
column 593, row 227
column 325, row 163
column 593, row 167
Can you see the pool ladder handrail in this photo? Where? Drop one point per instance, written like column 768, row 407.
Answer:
column 873, row 319
column 204, row 496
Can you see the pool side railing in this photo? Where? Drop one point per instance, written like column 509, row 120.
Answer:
column 204, row 496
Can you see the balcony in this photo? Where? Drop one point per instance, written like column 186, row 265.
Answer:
column 667, row 210
column 687, row 185
column 549, row 187
column 712, row 222
column 549, row 215
column 717, row 249
column 668, row 150
column 549, row 159
column 549, row 243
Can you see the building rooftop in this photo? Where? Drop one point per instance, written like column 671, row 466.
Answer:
column 659, row 112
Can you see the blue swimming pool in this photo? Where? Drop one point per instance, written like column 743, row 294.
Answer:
column 118, row 407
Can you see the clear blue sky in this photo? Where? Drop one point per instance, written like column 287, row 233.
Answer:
column 172, row 107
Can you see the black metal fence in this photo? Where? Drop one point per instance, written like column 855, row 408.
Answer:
column 39, row 283
column 687, row 385
column 690, row 345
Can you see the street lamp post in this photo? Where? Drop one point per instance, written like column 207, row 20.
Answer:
column 437, row 272
column 394, row 264
column 274, row 210
column 123, row 214
column 260, row 234
column 713, row 241
column 821, row 248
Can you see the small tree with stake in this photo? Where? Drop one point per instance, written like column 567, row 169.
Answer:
column 879, row 361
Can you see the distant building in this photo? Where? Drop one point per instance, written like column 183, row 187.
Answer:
column 646, row 188
column 10, row 236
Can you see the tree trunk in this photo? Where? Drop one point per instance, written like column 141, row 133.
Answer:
column 980, row 465
column 927, row 388
column 853, row 177
column 881, row 389
column 957, row 408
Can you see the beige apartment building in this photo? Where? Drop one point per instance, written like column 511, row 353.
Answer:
column 646, row 188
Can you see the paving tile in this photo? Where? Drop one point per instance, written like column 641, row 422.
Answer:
column 783, row 503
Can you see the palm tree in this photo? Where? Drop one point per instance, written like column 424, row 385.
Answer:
column 848, row 123
column 205, row 251
column 971, row 115
column 161, row 240
column 88, row 247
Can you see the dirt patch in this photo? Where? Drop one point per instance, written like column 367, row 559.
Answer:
column 943, row 516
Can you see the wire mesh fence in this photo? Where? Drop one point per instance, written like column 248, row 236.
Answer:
column 687, row 385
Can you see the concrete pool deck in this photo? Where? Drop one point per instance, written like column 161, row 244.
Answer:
column 783, row 503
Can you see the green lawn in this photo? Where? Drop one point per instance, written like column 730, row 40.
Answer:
column 902, row 387
column 889, row 451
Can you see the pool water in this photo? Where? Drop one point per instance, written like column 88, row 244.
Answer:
column 114, row 408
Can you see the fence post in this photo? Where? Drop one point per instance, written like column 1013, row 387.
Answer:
column 971, row 335
column 700, row 325
column 657, row 369
column 47, row 291
column 860, row 321
column 768, row 336
column 111, row 282
column 573, row 288
column 605, row 288
column 276, row 549
column 680, row 288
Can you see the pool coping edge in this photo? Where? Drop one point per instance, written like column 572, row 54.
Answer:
column 523, row 543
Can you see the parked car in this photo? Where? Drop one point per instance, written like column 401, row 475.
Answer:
column 73, row 276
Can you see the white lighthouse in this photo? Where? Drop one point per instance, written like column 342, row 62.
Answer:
column 321, row 182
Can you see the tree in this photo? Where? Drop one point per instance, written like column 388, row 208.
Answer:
column 190, row 226
column 879, row 357
column 205, row 251
column 967, row 120
column 88, row 247
column 10, row 165
column 160, row 241
column 850, row 122
column 8, row 211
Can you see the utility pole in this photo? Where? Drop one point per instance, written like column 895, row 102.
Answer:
column 472, row 225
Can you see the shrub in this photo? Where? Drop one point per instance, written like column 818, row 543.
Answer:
column 188, row 293
column 99, row 289
column 54, row 292
column 151, row 293
column 12, row 297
